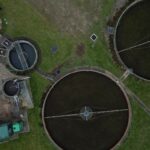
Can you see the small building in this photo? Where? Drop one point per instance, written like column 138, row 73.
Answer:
column 8, row 131
column 4, row 132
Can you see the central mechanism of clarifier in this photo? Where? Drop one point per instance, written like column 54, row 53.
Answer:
column 86, row 113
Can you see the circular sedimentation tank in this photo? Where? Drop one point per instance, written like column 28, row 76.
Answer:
column 11, row 88
column 132, row 38
column 23, row 56
column 86, row 110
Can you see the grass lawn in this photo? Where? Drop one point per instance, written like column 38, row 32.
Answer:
column 26, row 21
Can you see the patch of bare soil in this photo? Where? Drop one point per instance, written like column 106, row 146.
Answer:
column 80, row 49
column 70, row 16
column 120, row 3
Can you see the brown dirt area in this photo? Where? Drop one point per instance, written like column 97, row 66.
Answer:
column 80, row 50
column 5, row 109
column 70, row 16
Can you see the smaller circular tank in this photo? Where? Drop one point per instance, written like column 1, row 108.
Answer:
column 11, row 88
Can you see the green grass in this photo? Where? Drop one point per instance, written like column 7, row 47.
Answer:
column 24, row 20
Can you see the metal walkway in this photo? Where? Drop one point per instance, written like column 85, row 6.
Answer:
column 21, row 56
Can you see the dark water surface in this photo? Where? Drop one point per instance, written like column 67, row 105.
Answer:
column 76, row 91
column 29, row 54
column 134, row 28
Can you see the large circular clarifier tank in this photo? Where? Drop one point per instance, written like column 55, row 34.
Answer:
column 86, row 110
column 132, row 39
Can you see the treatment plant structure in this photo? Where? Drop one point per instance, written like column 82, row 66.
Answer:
column 15, row 92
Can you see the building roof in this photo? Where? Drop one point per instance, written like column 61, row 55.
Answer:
column 17, row 127
column 4, row 133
